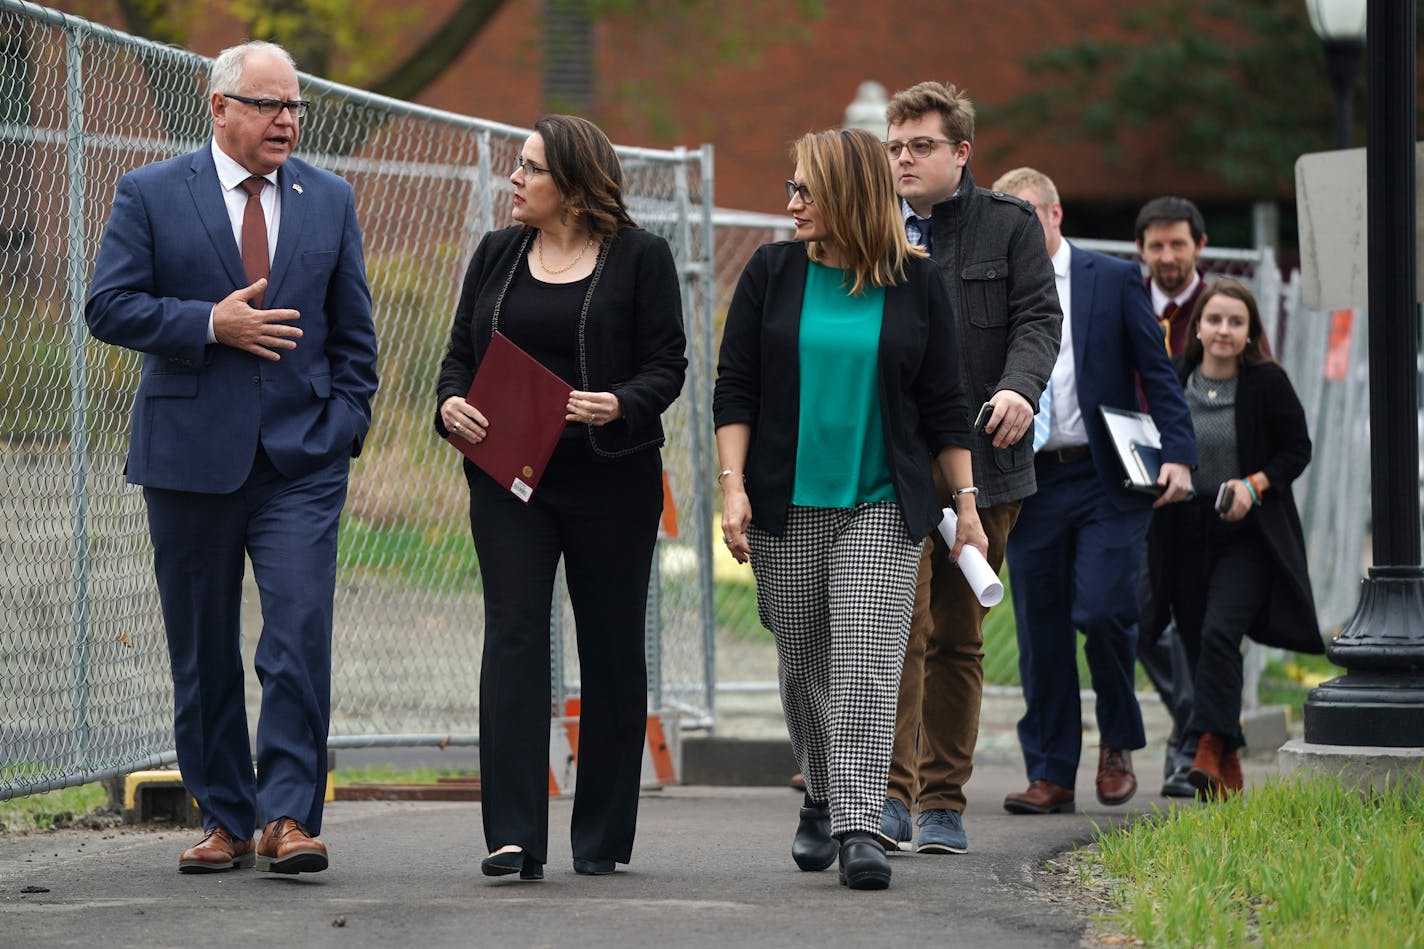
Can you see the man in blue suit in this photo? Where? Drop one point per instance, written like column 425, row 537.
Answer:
column 1075, row 552
column 237, row 272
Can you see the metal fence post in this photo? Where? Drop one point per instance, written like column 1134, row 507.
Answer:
column 76, row 268
column 702, row 434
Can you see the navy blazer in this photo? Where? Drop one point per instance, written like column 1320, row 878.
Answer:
column 922, row 399
column 1117, row 342
column 168, row 256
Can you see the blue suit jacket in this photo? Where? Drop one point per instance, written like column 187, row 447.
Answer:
column 167, row 257
column 1117, row 342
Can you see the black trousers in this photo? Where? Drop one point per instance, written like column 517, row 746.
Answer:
column 1219, row 590
column 601, row 517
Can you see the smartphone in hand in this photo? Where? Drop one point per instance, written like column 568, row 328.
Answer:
column 1225, row 497
column 986, row 412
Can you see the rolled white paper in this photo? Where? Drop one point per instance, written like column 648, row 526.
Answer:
column 982, row 579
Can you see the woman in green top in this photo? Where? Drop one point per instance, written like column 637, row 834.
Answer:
column 838, row 387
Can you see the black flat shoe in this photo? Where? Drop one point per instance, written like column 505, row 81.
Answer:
column 512, row 861
column 593, row 868
column 813, row 848
column 863, row 863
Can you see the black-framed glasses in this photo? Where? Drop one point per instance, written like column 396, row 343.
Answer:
column 919, row 147
column 528, row 167
column 298, row 107
column 793, row 189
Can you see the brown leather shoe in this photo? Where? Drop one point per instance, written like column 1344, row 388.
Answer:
column 1216, row 772
column 1206, row 774
column 216, row 852
column 1116, row 782
column 1042, row 797
column 286, row 847
column 1231, row 777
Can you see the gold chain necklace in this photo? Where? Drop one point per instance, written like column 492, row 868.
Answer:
column 539, row 251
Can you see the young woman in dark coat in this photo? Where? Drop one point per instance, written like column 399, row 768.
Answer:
column 1232, row 562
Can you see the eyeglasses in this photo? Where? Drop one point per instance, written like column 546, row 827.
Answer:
column 528, row 167
column 298, row 107
column 919, row 147
column 793, row 189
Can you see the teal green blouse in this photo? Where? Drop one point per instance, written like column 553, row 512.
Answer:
column 840, row 445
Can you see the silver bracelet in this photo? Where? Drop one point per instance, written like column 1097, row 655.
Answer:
column 972, row 489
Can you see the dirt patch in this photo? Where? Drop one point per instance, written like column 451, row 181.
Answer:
column 1074, row 880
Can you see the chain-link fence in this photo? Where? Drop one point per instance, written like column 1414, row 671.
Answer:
column 84, row 683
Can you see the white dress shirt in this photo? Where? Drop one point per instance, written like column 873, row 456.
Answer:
column 1160, row 299
column 1066, row 428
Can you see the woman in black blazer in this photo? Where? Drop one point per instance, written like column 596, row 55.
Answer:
column 837, row 387
column 1232, row 563
column 596, row 300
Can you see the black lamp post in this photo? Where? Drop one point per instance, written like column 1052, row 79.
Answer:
column 1340, row 24
column 1380, row 701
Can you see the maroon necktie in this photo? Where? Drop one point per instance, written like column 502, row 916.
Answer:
column 254, row 235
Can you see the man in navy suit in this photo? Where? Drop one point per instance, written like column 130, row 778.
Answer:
column 1076, row 550
column 237, row 272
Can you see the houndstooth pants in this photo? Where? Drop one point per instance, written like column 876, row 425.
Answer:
column 836, row 590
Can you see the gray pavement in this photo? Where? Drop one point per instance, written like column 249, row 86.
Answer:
column 711, row 868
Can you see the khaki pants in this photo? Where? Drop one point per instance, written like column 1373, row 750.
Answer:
column 942, row 684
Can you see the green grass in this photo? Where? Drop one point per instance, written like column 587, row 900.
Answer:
column 51, row 808
column 1298, row 862
column 1288, row 681
column 387, row 774
column 437, row 559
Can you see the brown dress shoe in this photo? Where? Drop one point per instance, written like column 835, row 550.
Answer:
column 216, row 852
column 1042, row 797
column 1116, row 782
column 286, row 847
column 1231, row 777
column 1216, row 772
column 1205, row 775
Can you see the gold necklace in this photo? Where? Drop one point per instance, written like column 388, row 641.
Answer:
column 539, row 251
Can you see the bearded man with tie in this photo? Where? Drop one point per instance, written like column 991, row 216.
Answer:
column 237, row 272
column 1171, row 235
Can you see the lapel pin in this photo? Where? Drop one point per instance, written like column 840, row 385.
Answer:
column 297, row 188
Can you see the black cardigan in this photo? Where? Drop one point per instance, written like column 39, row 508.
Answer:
column 1271, row 437
column 630, row 333
column 922, row 400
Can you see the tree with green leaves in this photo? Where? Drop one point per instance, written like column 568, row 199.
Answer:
column 1236, row 90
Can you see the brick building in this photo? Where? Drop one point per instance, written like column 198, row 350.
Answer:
column 653, row 79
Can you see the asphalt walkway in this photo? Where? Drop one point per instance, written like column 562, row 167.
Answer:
column 712, row 868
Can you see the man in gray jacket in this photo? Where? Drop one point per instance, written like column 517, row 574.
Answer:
column 990, row 248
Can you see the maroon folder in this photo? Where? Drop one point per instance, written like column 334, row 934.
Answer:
column 525, row 405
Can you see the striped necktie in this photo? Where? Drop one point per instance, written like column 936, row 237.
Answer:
column 1169, row 312
column 1044, row 418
